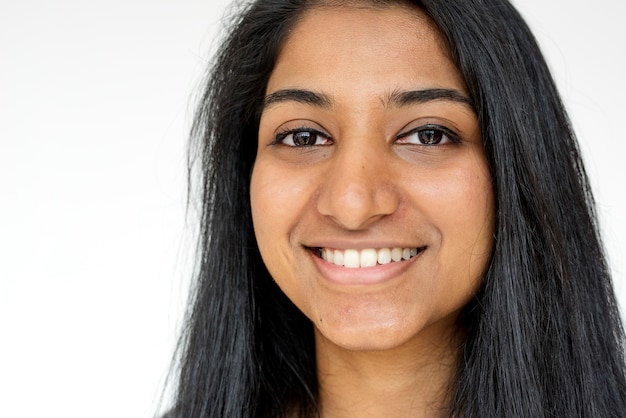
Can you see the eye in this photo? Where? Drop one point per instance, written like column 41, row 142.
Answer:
column 427, row 135
column 301, row 137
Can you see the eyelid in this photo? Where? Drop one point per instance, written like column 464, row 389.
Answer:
column 449, row 133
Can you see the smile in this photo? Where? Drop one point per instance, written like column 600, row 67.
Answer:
column 367, row 257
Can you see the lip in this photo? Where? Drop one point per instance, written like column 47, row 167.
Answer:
column 362, row 276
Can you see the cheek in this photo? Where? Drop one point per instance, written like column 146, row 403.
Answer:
column 464, row 195
column 459, row 202
column 477, row 203
column 467, row 222
column 266, row 205
column 278, row 201
column 277, row 198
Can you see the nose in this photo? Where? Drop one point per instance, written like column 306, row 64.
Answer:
column 358, row 190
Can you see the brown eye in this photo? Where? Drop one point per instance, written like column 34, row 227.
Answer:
column 430, row 136
column 302, row 138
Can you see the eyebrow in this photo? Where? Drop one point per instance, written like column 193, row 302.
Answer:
column 406, row 98
column 299, row 96
column 395, row 99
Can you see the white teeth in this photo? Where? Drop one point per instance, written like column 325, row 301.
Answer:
column 406, row 253
column 351, row 259
column 368, row 257
column 384, row 256
column 338, row 258
column 396, row 254
column 328, row 255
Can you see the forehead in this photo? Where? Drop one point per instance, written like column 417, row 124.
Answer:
column 379, row 45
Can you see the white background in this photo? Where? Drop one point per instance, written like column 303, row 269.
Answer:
column 95, row 104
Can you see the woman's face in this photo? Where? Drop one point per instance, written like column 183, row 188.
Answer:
column 371, row 197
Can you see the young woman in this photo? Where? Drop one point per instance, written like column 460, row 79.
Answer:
column 396, row 223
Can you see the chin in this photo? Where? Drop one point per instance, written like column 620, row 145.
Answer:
column 365, row 335
column 387, row 335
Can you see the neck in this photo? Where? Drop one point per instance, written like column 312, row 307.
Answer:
column 411, row 380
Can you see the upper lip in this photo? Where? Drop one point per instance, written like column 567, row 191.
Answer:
column 361, row 245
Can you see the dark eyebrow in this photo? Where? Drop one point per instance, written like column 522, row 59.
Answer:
column 396, row 98
column 405, row 98
column 297, row 95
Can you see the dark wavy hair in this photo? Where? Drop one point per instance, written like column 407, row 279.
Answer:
column 544, row 336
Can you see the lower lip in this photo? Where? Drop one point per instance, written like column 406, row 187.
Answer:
column 377, row 274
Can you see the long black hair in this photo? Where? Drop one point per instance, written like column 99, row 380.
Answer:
column 544, row 337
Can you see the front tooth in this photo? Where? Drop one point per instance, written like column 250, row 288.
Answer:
column 368, row 257
column 384, row 256
column 328, row 255
column 396, row 254
column 406, row 253
column 338, row 258
column 351, row 259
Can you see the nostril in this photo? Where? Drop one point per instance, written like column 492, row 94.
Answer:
column 355, row 203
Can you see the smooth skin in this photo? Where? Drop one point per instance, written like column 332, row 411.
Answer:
column 367, row 140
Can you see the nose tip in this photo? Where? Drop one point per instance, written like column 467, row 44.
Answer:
column 354, row 198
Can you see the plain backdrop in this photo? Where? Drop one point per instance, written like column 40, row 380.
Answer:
column 95, row 243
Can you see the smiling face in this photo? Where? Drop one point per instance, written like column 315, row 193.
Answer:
column 371, row 198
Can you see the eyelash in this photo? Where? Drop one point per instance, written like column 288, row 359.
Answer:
column 444, row 132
